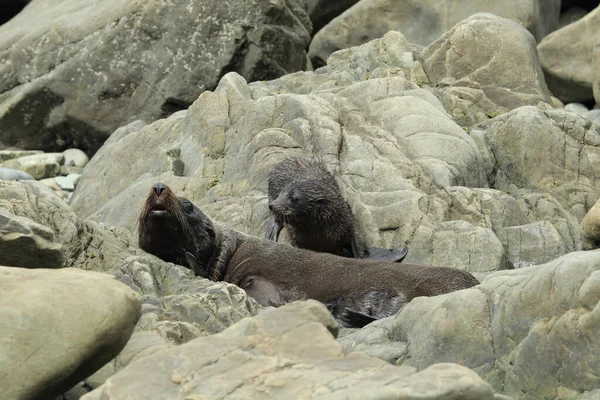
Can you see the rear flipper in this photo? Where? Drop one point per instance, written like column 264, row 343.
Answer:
column 273, row 229
column 355, row 319
column 379, row 254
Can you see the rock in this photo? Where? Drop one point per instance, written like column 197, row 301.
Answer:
column 323, row 11
column 577, row 108
column 556, row 103
column 407, row 170
column 6, row 155
column 67, row 182
column 66, row 170
column 594, row 116
column 571, row 15
column 51, row 183
column 10, row 174
column 75, row 158
column 567, row 58
column 596, row 73
column 555, row 152
column 590, row 228
column 71, row 73
column 58, row 327
column 24, row 243
column 288, row 352
column 472, row 67
column 85, row 244
column 532, row 333
column 39, row 166
column 423, row 22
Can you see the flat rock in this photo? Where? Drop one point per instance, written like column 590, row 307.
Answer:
column 11, row 174
column 533, row 333
column 40, row 166
column 24, row 243
column 567, row 58
column 58, row 327
column 288, row 352
column 424, row 21
column 72, row 71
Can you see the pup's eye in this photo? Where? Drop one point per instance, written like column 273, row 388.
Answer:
column 187, row 206
column 294, row 199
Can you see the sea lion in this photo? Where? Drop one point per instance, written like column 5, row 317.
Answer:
column 170, row 228
column 356, row 291
column 305, row 199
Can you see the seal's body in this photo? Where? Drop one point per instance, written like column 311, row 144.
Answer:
column 356, row 291
column 305, row 199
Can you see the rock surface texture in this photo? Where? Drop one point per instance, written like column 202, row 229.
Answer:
column 532, row 333
column 288, row 353
column 72, row 71
column 58, row 327
column 567, row 58
column 423, row 21
column 408, row 171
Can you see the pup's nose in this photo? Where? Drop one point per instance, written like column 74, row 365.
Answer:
column 158, row 188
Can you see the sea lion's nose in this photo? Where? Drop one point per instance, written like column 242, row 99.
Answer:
column 271, row 206
column 158, row 188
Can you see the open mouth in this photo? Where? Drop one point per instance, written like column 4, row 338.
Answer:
column 158, row 210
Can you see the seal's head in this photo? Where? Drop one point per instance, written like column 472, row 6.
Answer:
column 176, row 230
column 307, row 200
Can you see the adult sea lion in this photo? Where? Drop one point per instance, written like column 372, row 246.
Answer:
column 305, row 199
column 356, row 291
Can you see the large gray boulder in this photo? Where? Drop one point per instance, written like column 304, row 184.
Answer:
column 323, row 11
column 423, row 21
column 567, row 58
column 284, row 353
column 72, row 71
column 58, row 327
column 483, row 67
column 533, row 333
column 84, row 244
column 555, row 152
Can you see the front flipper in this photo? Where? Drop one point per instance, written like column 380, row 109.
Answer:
column 379, row 254
column 355, row 319
column 273, row 229
column 194, row 266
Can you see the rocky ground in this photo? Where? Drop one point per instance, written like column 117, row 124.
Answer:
column 469, row 129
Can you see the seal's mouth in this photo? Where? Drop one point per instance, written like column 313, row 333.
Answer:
column 158, row 210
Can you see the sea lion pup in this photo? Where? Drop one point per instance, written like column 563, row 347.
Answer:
column 305, row 199
column 171, row 228
column 356, row 291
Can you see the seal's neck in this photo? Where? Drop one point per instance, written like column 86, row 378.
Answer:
column 227, row 241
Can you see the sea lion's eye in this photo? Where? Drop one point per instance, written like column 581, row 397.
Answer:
column 294, row 199
column 187, row 206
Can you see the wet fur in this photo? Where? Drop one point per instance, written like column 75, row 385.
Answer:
column 321, row 220
column 356, row 291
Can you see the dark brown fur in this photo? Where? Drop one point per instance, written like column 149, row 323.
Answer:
column 305, row 199
column 274, row 273
column 175, row 230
